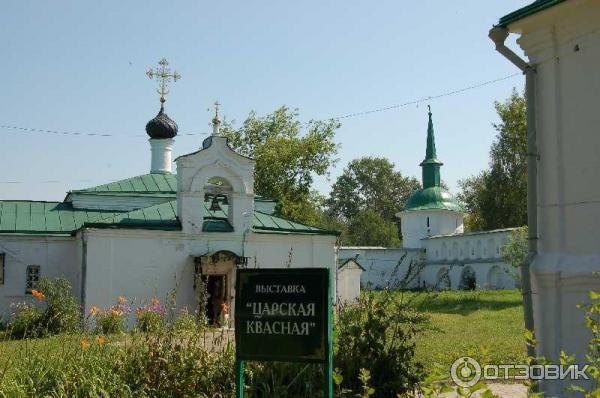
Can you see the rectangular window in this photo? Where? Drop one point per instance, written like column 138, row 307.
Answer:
column 2, row 256
column 32, row 278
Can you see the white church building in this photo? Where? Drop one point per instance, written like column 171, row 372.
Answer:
column 154, row 234
column 436, row 249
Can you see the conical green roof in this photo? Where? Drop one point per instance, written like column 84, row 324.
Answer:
column 432, row 196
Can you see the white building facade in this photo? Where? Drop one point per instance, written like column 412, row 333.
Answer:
column 157, row 234
column 561, row 41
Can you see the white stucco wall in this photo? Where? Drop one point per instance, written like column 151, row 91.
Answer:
column 383, row 266
column 415, row 225
column 141, row 264
column 482, row 252
column 563, row 43
column 348, row 282
column 56, row 256
column 443, row 254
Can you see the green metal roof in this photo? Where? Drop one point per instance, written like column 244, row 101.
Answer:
column 526, row 11
column 48, row 218
column 433, row 198
column 51, row 218
column 147, row 183
column 215, row 221
column 154, row 184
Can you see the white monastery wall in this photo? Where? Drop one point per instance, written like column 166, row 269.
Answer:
column 382, row 264
column 56, row 257
column 445, row 256
column 477, row 252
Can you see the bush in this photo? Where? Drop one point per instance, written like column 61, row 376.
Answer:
column 378, row 334
column 163, row 365
column 113, row 319
column 26, row 321
column 151, row 318
column 188, row 323
column 62, row 313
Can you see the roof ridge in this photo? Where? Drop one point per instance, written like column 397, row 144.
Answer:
column 105, row 187
column 29, row 201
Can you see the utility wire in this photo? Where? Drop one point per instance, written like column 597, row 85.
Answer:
column 347, row 116
column 430, row 98
column 36, row 130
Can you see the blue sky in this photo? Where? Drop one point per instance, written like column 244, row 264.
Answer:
column 80, row 66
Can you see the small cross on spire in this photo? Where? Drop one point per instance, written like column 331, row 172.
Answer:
column 216, row 122
column 163, row 75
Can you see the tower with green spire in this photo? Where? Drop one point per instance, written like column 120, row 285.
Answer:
column 431, row 164
column 430, row 210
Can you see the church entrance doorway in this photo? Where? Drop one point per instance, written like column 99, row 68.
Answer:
column 216, row 289
column 216, row 270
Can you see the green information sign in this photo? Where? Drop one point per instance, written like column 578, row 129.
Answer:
column 283, row 315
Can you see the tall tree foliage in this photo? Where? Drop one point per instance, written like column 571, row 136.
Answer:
column 370, row 183
column 367, row 196
column 497, row 197
column 286, row 158
column 369, row 228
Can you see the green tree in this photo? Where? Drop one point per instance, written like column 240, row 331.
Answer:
column 369, row 228
column 370, row 183
column 516, row 250
column 497, row 197
column 286, row 159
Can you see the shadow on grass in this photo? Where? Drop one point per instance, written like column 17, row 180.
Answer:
column 467, row 302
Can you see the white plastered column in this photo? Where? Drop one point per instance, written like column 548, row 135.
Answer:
column 161, row 155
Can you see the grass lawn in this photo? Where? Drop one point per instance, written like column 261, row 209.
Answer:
column 485, row 325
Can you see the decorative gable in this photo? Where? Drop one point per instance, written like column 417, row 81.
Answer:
column 216, row 171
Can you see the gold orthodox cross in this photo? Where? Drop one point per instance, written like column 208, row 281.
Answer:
column 163, row 75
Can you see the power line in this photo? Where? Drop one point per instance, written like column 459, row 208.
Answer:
column 36, row 130
column 429, row 98
column 347, row 116
column 41, row 182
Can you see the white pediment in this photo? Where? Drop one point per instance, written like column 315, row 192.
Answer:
column 215, row 159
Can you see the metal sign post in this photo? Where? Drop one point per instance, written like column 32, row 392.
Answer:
column 284, row 315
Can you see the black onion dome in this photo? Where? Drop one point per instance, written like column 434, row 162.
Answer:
column 162, row 126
